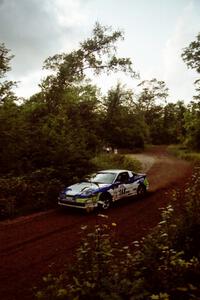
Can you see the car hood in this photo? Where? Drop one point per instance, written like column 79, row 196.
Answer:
column 84, row 188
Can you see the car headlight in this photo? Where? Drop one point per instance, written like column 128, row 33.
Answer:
column 88, row 192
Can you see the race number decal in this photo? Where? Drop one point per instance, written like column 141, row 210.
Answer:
column 122, row 191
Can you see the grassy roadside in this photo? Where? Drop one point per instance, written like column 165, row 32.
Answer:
column 182, row 152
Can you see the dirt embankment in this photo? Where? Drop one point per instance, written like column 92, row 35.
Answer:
column 34, row 245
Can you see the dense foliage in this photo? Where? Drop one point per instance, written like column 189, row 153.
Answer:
column 164, row 265
column 68, row 122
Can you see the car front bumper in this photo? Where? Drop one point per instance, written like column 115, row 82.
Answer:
column 87, row 204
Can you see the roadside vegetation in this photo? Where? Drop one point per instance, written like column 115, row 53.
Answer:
column 115, row 161
column 163, row 265
column 184, row 153
column 52, row 138
column 39, row 190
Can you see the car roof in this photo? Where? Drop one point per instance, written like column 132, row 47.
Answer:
column 115, row 171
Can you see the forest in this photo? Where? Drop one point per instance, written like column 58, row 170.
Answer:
column 50, row 138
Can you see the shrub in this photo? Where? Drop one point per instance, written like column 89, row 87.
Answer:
column 116, row 161
column 169, row 257
column 32, row 192
column 97, row 274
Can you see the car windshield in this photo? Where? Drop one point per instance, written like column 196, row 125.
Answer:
column 103, row 177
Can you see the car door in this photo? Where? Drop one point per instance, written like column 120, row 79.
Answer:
column 134, row 183
column 124, row 186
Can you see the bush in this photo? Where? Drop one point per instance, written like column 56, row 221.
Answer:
column 97, row 273
column 115, row 161
column 33, row 192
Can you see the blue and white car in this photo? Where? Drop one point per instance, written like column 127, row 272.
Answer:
column 103, row 188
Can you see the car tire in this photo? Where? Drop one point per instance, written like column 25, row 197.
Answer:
column 141, row 190
column 106, row 201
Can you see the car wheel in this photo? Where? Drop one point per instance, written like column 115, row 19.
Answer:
column 106, row 201
column 141, row 190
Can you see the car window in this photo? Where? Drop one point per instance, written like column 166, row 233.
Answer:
column 103, row 177
column 123, row 177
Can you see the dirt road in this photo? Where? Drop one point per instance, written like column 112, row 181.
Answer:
column 35, row 245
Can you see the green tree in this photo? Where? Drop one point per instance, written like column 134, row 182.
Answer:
column 97, row 53
column 173, row 122
column 5, row 85
column 124, row 126
column 62, row 138
column 192, row 125
column 8, row 115
column 10, row 139
column 4, row 60
column 197, row 87
column 150, row 105
column 191, row 56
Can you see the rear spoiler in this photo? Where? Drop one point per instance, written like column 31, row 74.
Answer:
column 140, row 174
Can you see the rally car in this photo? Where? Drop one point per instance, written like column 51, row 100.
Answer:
column 103, row 188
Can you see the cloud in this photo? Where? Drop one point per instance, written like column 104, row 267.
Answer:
column 177, row 76
column 35, row 30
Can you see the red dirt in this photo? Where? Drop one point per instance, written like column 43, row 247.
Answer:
column 42, row 243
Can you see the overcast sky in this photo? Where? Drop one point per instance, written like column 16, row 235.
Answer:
column 156, row 31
